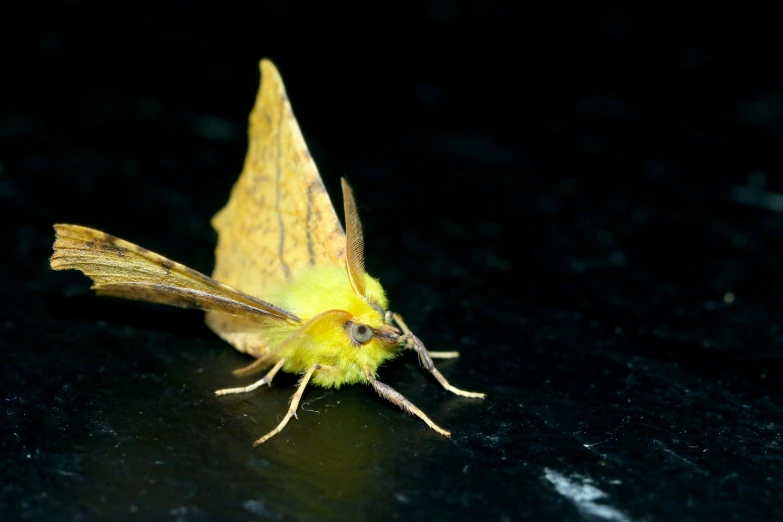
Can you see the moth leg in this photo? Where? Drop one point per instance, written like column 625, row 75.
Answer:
column 291, row 407
column 426, row 361
column 266, row 379
column 414, row 343
column 444, row 355
column 395, row 397
column 397, row 318
column 254, row 367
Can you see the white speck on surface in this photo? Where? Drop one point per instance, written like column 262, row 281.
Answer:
column 588, row 446
column 258, row 507
column 757, row 197
column 401, row 498
column 584, row 494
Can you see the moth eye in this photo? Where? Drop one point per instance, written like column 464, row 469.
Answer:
column 361, row 333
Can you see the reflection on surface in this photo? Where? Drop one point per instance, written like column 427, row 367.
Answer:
column 341, row 458
column 334, row 457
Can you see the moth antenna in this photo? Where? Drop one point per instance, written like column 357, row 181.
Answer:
column 354, row 241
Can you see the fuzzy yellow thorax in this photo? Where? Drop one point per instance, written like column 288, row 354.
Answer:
column 329, row 343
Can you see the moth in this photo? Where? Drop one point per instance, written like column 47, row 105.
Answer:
column 289, row 286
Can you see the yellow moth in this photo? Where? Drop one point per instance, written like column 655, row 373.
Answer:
column 289, row 286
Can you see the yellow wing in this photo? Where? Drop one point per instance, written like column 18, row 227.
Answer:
column 122, row 269
column 279, row 218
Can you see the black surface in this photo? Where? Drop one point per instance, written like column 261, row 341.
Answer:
column 586, row 203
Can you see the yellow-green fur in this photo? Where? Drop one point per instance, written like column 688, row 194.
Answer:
column 315, row 291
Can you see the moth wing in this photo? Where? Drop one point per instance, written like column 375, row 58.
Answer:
column 279, row 218
column 122, row 269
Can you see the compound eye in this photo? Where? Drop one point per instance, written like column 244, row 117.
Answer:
column 361, row 333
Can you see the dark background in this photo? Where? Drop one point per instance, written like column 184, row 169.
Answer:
column 586, row 202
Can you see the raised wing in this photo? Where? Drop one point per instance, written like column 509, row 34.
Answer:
column 122, row 269
column 279, row 218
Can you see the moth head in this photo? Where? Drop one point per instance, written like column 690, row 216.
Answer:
column 361, row 339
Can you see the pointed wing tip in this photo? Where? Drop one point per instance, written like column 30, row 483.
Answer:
column 61, row 237
column 65, row 229
column 271, row 89
column 69, row 231
column 60, row 231
column 268, row 68
column 54, row 263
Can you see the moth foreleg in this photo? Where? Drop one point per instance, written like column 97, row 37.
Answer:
column 414, row 343
column 395, row 397
column 444, row 355
column 397, row 318
column 291, row 407
column 266, row 379
column 426, row 361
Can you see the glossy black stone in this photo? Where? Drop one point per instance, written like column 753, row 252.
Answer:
column 585, row 202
